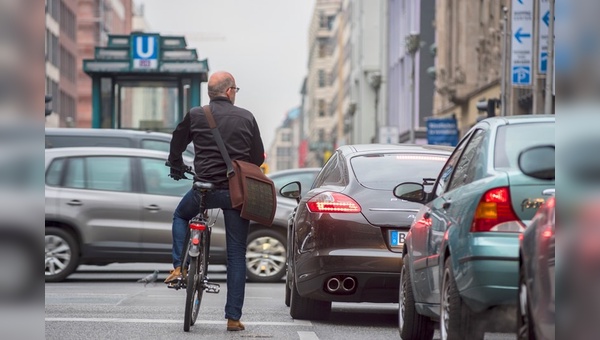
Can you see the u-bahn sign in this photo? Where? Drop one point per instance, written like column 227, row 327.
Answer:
column 144, row 52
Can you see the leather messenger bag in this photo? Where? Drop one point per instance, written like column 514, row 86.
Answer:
column 251, row 191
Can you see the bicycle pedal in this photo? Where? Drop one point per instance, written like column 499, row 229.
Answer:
column 214, row 288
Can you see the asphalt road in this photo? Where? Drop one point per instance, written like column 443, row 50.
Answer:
column 108, row 303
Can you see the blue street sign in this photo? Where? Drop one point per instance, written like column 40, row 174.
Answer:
column 543, row 62
column 145, row 52
column 442, row 131
column 519, row 35
column 521, row 75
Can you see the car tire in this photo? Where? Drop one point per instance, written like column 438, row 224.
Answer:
column 288, row 290
column 265, row 256
column 457, row 321
column 61, row 250
column 307, row 309
column 525, row 327
column 411, row 325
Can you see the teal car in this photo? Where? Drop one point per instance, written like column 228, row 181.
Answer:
column 461, row 255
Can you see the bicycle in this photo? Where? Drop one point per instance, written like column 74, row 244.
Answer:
column 195, row 257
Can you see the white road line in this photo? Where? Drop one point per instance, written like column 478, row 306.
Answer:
column 206, row 322
column 308, row 335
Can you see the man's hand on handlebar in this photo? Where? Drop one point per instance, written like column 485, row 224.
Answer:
column 179, row 173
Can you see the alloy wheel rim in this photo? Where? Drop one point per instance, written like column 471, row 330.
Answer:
column 57, row 256
column 445, row 317
column 265, row 256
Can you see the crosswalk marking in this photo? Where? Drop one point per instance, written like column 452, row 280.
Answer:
column 308, row 335
column 302, row 323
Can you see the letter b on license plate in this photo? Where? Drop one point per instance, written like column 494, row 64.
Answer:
column 397, row 238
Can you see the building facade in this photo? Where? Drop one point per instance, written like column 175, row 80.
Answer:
column 95, row 20
column 468, row 59
column 61, row 57
column 368, row 90
column 411, row 87
column 320, row 81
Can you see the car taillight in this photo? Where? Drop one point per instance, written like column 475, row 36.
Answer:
column 197, row 226
column 495, row 213
column 332, row 202
column 547, row 233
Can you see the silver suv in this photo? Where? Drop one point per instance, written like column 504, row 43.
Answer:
column 106, row 205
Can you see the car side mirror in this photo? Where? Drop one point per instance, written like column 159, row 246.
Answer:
column 410, row 191
column 538, row 162
column 291, row 190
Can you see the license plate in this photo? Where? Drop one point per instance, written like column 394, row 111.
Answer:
column 397, row 238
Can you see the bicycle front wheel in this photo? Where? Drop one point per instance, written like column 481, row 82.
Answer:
column 193, row 294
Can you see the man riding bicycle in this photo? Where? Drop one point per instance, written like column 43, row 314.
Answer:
column 241, row 136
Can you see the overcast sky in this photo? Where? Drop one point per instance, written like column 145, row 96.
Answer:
column 263, row 43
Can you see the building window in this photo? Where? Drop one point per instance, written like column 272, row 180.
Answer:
column 321, row 78
column 322, row 20
column 67, row 21
column 284, row 152
column 52, row 48
column 322, row 108
column 286, row 137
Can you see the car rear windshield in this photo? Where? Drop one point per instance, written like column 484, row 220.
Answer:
column 514, row 138
column 385, row 171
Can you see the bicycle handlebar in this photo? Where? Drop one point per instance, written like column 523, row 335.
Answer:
column 186, row 169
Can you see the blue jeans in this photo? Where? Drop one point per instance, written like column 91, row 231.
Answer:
column 236, row 231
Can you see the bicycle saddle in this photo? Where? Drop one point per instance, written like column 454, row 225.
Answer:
column 203, row 186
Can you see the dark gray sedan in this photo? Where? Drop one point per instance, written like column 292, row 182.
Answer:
column 346, row 237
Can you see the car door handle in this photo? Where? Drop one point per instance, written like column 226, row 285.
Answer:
column 152, row 207
column 548, row 192
column 75, row 203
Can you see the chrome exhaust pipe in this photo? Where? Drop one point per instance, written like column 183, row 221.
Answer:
column 348, row 284
column 333, row 285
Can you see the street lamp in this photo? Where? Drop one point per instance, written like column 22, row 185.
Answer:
column 412, row 44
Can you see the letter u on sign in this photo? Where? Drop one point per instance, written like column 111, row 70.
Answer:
column 147, row 51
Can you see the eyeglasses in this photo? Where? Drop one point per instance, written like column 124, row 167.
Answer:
column 237, row 89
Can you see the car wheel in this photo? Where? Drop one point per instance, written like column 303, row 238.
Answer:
column 457, row 321
column 412, row 325
column 62, row 254
column 288, row 290
column 265, row 257
column 307, row 309
column 524, row 321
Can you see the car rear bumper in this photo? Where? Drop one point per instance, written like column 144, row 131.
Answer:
column 376, row 274
column 489, row 276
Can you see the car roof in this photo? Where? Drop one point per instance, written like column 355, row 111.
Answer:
column 103, row 132
column 100, row 151
column 410, row 148
column 521, row 119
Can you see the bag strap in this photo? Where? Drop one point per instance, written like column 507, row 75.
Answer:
column 217, row 136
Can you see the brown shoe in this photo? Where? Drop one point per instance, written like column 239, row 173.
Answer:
column 235, row 325
column 173, row 275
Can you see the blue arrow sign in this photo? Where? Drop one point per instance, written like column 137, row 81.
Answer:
column 520, row 35
column 546, row 18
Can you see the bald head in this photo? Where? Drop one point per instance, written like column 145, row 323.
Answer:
column 219, row 83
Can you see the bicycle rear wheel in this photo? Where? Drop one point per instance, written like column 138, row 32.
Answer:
column 193, row 289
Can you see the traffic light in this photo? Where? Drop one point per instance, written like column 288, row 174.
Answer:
column 488, row 106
